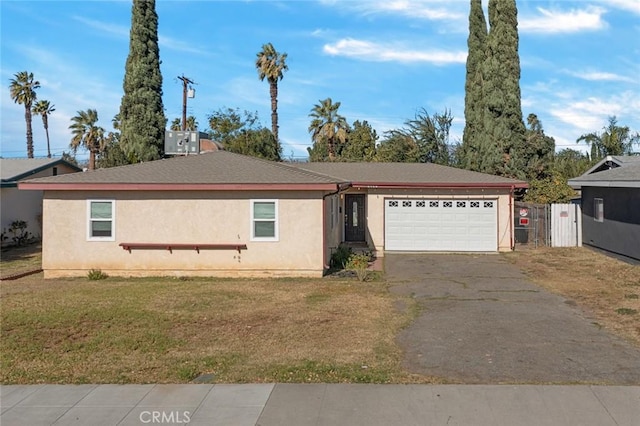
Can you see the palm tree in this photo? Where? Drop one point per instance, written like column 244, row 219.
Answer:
column 22, row 91
column 271, row 64
column 87, row 134
column 614, row 140
column 176, row 124
column 44, row 108
column 328, row 126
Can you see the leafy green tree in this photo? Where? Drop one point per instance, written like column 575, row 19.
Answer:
column 428, row 134
column 613, row 140
column 538, row 150
column 23, row 91
column 111, row 154
column 550, row 189
column 504, row 131
column 70, row 158
column 570, row 163
column 328, row 127
column 360, row 144
column 141, row 111
column 271, row 65
column 44, row 108
column 176, row 124
column 191, row 125
column 242, row 133
column 87, row 134
column 469, row 152
column 398, row 147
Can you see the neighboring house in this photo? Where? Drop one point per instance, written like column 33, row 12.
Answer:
column 26, row 205
column 225, row 214
column 611, row 205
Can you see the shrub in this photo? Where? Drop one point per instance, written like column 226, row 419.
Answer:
column 340, row 257
column 359, row 264
column 21, row 236
column 96, row 274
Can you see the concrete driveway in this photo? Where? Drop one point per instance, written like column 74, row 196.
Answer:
column 483, row 321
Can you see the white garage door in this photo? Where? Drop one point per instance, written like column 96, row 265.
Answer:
column 441, row 225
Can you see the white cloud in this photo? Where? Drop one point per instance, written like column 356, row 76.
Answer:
column 629, row 5
column 555, row 22
column 601, row 76
column 375, row 52
column 432, row 10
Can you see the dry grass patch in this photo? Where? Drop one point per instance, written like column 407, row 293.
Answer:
column 607, row 288
column 172, row 331
column 15, row 260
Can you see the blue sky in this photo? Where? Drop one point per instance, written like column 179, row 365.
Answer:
column 383, row 60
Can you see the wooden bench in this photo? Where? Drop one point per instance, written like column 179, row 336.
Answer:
column 176, row 246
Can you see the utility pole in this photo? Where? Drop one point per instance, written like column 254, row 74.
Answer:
column 185, row 81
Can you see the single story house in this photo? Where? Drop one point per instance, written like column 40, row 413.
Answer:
column 225, row 214
column 610, row 200
column 22, row 205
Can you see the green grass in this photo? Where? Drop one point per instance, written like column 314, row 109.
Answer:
column 162, row 330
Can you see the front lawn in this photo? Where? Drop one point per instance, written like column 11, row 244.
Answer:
column 606, row 288
column 173, row 331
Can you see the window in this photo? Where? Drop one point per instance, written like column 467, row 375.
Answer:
column 264, row 220
column 406, row 204
column 447, row 204
column 598, row 210
column 393, row 204
column 488, row 204
column 475, row 204
column 420, row 203
column 101, row 219
column 461, row 204
column 434, row 203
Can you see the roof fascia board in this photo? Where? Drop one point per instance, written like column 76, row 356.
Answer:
column 176, row 187
column 604, row 184
column 439, row 185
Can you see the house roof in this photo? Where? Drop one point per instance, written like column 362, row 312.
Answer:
column 218, row 170
column 613, row 161
column 626, row 176
column 223, row 170
column 409, row 175
column 13, row 170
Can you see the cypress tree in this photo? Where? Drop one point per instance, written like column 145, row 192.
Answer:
column 141, row 111
column 504, row 131
column 473, row 103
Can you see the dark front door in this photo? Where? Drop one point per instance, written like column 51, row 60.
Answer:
column 354, row 223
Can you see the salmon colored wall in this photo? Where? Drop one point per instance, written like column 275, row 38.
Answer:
column 375, row 210
column 183, row 217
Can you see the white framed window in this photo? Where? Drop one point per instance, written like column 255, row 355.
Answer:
column 101, row 220
column 264, row 220
column 598, row 210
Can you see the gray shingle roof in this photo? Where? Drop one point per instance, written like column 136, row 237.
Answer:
column 12, row 169
column 406, row 173
column 627, row 175
column 218, row 167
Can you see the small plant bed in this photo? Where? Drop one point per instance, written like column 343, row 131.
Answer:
column 607, row 288
column 163, row 330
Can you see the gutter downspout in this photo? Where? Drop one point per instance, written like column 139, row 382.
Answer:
column 511, row 225
column 341, row 188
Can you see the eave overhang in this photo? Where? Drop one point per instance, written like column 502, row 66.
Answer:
column 604, row 184
column 178, row 187
column 442, row 185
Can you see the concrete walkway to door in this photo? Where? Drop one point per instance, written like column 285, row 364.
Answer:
column 483, row 321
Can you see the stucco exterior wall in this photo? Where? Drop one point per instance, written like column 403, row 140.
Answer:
column 183, row 217
column 374, row 210
column 24, row 205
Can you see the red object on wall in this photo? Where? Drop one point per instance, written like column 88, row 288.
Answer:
column 524, row 221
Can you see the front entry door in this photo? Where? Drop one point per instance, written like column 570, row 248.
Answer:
column 355, row 221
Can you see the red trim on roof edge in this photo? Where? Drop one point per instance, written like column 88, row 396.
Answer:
column 439, row 185
column 177, row 187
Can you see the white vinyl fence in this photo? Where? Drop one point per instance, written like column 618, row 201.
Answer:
column 566, row 225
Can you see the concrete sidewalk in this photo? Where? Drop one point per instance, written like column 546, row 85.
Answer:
column 319, row 404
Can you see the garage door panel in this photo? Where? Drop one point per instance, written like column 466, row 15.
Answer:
column 441, row 225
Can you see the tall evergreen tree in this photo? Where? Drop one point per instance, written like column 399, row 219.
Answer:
column 504, row 131
column 141, row 111
column 473, row 101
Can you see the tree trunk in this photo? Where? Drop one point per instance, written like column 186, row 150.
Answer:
column 27, row 118
column 45, row 122
column 273, row 90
